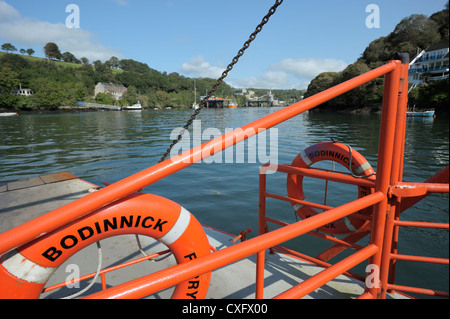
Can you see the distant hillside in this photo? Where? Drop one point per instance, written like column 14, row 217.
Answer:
column 412, row 33
column 61, row 83
column 57, row 83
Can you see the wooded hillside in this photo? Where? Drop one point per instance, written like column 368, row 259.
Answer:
column 413, row 33
column 58, row 83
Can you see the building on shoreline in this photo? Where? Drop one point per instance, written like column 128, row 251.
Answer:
column 431, row 64
column 23, row 92
column 116, row 90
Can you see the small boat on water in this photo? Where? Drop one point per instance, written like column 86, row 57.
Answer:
column 232, row 105
column 420, row 114
column 134, row 107
column 8, row 114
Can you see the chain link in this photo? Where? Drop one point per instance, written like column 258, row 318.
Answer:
column 224, row 75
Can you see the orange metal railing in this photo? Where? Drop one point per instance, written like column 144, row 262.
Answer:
column 378, row 251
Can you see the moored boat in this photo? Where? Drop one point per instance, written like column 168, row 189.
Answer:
column 134, row 107
column 232, row 105
column 421, row 114
column 8, row 114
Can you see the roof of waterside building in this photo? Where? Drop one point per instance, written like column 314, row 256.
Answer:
column 438, row 46
column 119, row 86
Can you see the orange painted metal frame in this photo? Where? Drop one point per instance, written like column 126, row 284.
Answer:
column 390, row 162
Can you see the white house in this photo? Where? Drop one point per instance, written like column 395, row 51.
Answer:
column 116, row 90
column 23, row 92
column 430, row 65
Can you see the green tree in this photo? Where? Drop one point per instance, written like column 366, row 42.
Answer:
column 14, row 61
column 418, row 30
column 163, row 99
column 30, row 52
column 69, row 57
column 134, row 66
column 49, row 95
column 132, row 95
column 433, row 93
column 8, row 101
column 441, row 18
column 104, row 98
column 113, row 63
column 9, row 80
column 322, row 82
column 8, row 47
column 378, row 50
column 52, row 51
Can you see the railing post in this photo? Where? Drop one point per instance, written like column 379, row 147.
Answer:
column 262, row 226
column 391, row 232
column 384, row 166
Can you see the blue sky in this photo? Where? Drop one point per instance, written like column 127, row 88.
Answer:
column 198, row 38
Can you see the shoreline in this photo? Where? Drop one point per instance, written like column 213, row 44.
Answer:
column 74, row 109
column 79, row 109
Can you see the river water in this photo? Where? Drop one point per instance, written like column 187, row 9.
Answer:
column 108, row 146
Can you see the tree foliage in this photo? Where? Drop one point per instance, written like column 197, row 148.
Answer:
column 413, row 33
column 52, row 51
column 62, row 84
column 8, row 47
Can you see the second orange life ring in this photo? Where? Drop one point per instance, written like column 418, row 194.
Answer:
column 25, row 271
column 342, row 154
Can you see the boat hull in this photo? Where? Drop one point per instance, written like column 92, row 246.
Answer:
column 420, row 114
column 8, row 114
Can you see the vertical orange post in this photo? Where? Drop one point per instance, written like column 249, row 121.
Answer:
column 384, row 165
column 391, row 231
column 260, row 257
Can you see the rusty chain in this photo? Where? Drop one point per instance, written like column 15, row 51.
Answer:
column 224, row 75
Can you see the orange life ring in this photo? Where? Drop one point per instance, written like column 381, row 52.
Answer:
column 344, row 155
column 25, row 271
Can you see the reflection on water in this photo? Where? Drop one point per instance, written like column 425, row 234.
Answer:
column 112, row 145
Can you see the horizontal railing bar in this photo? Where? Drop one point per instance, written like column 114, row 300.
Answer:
column 407, row 223
column 439, row 188
column 298, row 201
column 317, row 234
column 366, row 295
column 340, row 177
column 150, row 284
column 423, row 291
column 424, row 259
column 314, row 260
column 106, row 270
column 94, row 201
column 316, row 281
column 322, row 236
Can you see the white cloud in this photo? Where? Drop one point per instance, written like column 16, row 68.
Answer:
column 269, row 80
column 310, row 68
column 32, row 32
column 286, row 74
column 7, row 12
column 199, row 67
column 290, row 73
